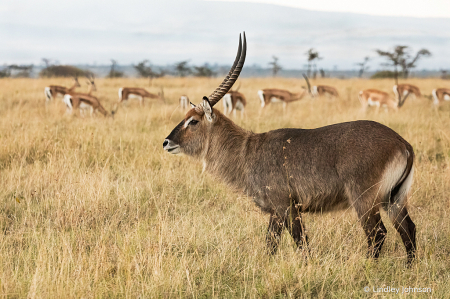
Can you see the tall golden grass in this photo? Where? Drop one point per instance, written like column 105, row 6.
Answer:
column 93, row 207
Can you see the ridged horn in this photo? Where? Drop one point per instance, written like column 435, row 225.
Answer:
column 233, row 74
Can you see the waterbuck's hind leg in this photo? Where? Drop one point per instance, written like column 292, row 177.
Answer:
column 406, row 228
column 375, row 232
column 296, row 228
column 276, row 225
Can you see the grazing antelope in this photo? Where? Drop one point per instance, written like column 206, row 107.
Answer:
column 84, row 102
column 404, row 90
column 53, row 90
column 377, row 98
column 321, row 90
column 275, row 95
column 360, row 164
column 232, row 101
column 440, row 95
column 184, row 102
column 126, row 93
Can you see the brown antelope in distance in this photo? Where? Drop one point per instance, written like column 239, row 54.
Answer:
column 84, row 102
column 184, row 102
column 360, row 164
column 440, row 95
column 321, row 90
column 404, row 90
column 377, row 98
column 274, row 95
column 127, row 93
column 53, row 90
column 234, row 100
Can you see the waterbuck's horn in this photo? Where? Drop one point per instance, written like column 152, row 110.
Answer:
column 232, row 76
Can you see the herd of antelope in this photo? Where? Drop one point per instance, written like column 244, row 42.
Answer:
column 289, row 172
column 86, row 101
column 234, row 100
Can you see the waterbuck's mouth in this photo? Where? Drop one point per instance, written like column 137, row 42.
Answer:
column 173, row 150
column 171, row 147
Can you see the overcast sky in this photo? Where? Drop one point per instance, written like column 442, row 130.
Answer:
column 169, row 31
column 404, row 8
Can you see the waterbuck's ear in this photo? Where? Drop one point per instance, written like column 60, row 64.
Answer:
column 192, row 105
column 207, row 109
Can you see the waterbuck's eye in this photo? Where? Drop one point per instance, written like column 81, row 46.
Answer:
column 193, row 122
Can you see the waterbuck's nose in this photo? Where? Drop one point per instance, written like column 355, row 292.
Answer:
column 166, row 142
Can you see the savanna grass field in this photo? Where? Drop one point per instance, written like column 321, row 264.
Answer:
column 94, row 208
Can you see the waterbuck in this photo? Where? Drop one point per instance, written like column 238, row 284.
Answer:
column 286, row 172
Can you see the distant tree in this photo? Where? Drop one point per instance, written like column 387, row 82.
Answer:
column 203, row 71
column 363, row 66
column 275, row 66
column 62, row 71
column 46, row 61
column 401, row 57
column 182, row 69
column 20, row 71
column 113, row 73
column 5, row 72
column 312, row 56
column 444, row 75
column 147, row 71
column 408, row 65
column 322, row 73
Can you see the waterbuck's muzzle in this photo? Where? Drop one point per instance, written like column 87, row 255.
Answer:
column 171, row 146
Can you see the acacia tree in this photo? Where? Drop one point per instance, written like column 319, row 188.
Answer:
column 182, row 69
column 408, row 65
column 312, row 56
column 147, row 71
column 113, row 73
column 363, row 66
column 275, row 66
column 204, row 71
column 47, row 62
column 401, row 57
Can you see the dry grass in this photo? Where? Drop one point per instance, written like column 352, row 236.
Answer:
column 94, row 208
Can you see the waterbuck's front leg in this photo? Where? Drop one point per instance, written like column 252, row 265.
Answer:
column 274, row 233
column 294, row 225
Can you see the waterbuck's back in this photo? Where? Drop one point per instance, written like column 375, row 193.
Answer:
column 326, row 167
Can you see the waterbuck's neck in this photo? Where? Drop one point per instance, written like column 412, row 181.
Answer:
column 227, row 150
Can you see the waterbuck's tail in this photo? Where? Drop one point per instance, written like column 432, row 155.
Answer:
column 399, row 193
